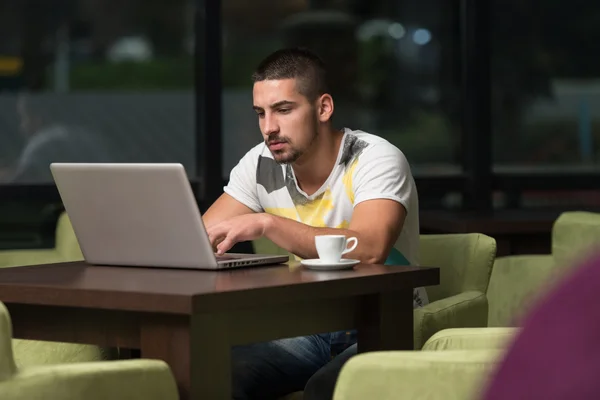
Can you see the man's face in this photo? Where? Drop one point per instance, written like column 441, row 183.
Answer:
column 287, row 119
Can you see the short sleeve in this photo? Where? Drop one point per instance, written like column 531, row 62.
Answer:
column 382, row 172
column 242, row 181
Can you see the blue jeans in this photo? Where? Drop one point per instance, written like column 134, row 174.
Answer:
column 273, row 369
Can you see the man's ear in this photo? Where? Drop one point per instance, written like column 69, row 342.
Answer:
column 325, row 107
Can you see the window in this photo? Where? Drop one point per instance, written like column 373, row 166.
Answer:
column 545, row 86
column 95, row 81
column 395, row 70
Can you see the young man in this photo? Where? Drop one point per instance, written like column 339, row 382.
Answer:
column 309, row 179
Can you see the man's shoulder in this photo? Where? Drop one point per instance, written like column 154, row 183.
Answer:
column 366, row 147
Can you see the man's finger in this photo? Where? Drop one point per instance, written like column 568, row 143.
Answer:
column 216, row 233
column 226, row 244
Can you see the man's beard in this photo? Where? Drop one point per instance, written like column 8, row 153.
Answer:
column 285, row 156
column 293, row 154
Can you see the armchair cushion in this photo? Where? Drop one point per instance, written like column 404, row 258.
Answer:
column 29, row 353
column 433, row 375
column 471, row 339
column 130, row 379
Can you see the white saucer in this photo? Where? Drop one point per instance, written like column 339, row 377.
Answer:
column 319, row 265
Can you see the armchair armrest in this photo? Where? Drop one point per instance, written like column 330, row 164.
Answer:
column 129, row 379
column 433, row 375
column 471, row 339
column 468, row 309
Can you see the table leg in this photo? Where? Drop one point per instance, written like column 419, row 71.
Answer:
column 197, row 351
column 385, row 321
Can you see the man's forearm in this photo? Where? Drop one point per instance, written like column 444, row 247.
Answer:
column 299, row 239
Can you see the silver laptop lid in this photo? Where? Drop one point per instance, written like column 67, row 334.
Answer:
column 134, row 214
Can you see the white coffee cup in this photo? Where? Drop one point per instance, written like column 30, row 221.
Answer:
column 331, row 248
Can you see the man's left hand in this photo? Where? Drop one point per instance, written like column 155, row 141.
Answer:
column 237, row 229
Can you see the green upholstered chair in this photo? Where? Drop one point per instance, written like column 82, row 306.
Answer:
column 517, row 282
column 30, row 352
column 465, row 262
column 454, row 364
column 432, row 375
column 66, row 249
column 130, row 379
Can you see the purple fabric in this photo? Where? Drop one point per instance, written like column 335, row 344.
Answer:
column 557, row 355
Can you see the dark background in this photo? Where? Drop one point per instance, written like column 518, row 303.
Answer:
column 495, row 103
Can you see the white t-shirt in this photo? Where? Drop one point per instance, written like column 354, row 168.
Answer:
column 367, row 167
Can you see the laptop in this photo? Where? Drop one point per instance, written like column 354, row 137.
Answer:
column 141, row 215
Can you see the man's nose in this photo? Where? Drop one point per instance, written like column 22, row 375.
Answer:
column 271, row 126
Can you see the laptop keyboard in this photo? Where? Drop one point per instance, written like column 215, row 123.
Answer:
column 225, row 258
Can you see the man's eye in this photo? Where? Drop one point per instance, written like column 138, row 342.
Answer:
column 284, row 110
column 260, row 115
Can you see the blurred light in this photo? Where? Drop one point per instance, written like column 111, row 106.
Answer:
column 396, row 30
column 422, row 36
column 373, row 28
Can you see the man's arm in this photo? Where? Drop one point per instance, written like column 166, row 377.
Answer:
column 222, row 209
column 382, row 186
column 375, row 239
column 240, row 196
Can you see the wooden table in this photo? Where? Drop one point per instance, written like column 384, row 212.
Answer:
column 190, row 319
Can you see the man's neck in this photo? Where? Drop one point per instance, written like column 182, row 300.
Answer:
column 315, row 166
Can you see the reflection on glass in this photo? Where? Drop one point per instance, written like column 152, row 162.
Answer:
column 94, row 81
column 545, row 87
column 392, row 69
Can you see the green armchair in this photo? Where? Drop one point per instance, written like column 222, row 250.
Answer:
column 130, row 379
column 454, row 364
column 66, row 249
column 34, row 353
column 517, row 282
column 432, row 375
column 465, row 262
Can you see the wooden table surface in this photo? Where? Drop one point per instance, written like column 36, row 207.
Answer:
column 191, row 318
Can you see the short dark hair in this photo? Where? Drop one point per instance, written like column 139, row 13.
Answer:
column 295, row 63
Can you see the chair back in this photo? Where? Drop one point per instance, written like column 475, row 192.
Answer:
column 575, row 235
column 465, row 261
column 518, row 281
column 67, row 245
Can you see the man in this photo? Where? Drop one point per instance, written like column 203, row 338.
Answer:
column 309, row 179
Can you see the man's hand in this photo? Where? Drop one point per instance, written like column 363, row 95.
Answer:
column 237, row 229
column 224, row 208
